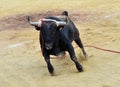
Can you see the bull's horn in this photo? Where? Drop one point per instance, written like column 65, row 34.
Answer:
column 58, row 23
column 33, row 23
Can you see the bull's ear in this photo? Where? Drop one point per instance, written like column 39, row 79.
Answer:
column 37, row 28
column 61, row 24
column 60, row 27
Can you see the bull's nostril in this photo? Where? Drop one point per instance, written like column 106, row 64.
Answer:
column 48, row 46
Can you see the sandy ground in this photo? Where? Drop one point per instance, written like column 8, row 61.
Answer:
column 22, row 65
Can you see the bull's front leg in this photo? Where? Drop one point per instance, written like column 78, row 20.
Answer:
column 49, row 65
column 74, row 58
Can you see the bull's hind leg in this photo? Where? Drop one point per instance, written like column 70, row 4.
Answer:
column 74, row 58
column 79, row 43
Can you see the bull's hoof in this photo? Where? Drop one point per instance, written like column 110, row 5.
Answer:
column 79, row 67
column 53, row 73
column 86, row 57
column 50, row 69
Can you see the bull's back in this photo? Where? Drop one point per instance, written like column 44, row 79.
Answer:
column 67, row 35
column 70, row 31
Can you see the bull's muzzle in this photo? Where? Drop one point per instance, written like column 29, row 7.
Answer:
column 48, row 46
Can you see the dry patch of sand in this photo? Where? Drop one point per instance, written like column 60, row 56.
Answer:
column 21, row 61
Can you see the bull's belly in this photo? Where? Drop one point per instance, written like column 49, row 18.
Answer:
column 57, row 52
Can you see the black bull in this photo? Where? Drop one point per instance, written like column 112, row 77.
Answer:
column 56, row 37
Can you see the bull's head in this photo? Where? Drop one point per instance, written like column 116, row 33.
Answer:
column 49, row 29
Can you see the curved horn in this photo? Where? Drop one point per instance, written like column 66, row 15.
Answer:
column 58, row 23
column 61, row 23
column 38, row 23
column 33, row 23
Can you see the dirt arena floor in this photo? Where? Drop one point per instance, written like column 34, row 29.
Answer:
column 21, row 61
